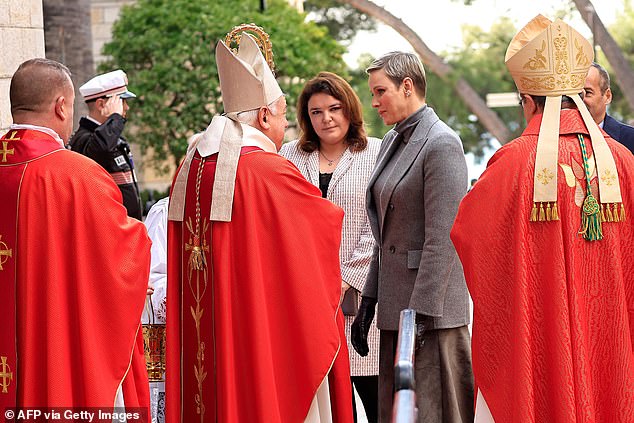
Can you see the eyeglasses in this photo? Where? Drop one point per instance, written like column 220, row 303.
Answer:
column 522, row 99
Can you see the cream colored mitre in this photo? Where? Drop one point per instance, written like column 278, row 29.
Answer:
column 246, row 83
column 552, row 59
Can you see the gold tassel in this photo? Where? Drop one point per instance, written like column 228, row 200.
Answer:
column 616, row 213
column 548, row 215
column 622, row 213
column 602, row 213
column 196, row 259
column 555, row 212
column 542, row 215
column 534, row 213
column 608, row 213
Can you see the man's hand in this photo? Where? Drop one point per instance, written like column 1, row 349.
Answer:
column 114, row 104
column 361, row 325
column 150, row 289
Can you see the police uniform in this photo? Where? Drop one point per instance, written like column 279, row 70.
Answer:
column 103, row 142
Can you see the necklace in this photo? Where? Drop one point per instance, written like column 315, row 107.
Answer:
column 330, row 162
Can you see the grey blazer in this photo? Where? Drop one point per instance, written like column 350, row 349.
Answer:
column 414, row 263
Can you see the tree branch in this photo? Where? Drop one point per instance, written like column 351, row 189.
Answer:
column 620, row 65
column 489, row 119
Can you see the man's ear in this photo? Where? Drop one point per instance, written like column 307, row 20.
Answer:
column 263, row 118
column 61, row 108
column 530, row 105
column 608, row 96
column 99, row 103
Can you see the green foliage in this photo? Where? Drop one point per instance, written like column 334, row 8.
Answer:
column 342, row 20
column 150, row 197
column 480, row 61
column 167, row 48
column 374, row 125
column 623, row 32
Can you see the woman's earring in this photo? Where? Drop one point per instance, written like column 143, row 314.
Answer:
column 408, row 93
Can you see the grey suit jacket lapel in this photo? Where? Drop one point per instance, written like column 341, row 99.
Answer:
column 385, row 152
column 413, row 147
column 405, row 161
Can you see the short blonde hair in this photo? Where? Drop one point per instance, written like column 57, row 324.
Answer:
column 399, row 65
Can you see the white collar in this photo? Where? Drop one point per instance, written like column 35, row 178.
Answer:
column 94, row 120
column 44, row 129
column 209, row 142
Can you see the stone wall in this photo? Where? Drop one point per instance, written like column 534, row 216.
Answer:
column 103, row 14
column 68, row 41
column 21, row 38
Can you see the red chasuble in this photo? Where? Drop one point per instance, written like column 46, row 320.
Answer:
column 553, row 325
column 253, row 335
column 78, row 270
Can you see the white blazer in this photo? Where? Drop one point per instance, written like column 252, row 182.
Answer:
column 347, row 190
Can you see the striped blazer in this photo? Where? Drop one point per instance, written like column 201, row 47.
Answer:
column 347, row 190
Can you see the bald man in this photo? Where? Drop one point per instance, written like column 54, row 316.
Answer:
column 65, row 240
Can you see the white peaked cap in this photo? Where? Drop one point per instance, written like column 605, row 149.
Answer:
column 106, row 85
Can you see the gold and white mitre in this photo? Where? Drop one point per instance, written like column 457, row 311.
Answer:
column 246, row 83
column 551, row 59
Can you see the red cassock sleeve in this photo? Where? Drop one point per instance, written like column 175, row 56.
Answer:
column 552, row 329
column 269, row 327
column 83, row 268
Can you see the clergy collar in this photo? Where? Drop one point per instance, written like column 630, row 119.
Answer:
column 209, row 142
column 44, row 129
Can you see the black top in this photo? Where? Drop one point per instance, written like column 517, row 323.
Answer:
column 105, row 145
column 324, row 181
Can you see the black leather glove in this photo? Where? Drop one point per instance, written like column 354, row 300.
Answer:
column 423, row 323
column 361, row 325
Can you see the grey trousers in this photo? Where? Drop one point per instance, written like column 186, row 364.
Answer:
column 444, row 377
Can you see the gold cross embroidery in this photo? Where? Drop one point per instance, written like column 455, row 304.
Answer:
column 12, row 137
column 5, row 253
column 608, row 178
column 6, row 151
column 6, row 375
column 545, row 176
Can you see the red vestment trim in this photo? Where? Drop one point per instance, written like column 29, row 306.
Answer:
column 18, row 147
column 81, row 275
column 255, row 333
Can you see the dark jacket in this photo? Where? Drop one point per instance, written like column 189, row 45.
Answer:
column 619, row 131
column 105, row 145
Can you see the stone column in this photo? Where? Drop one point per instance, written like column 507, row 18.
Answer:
column 67, row 33
column 21, row 38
